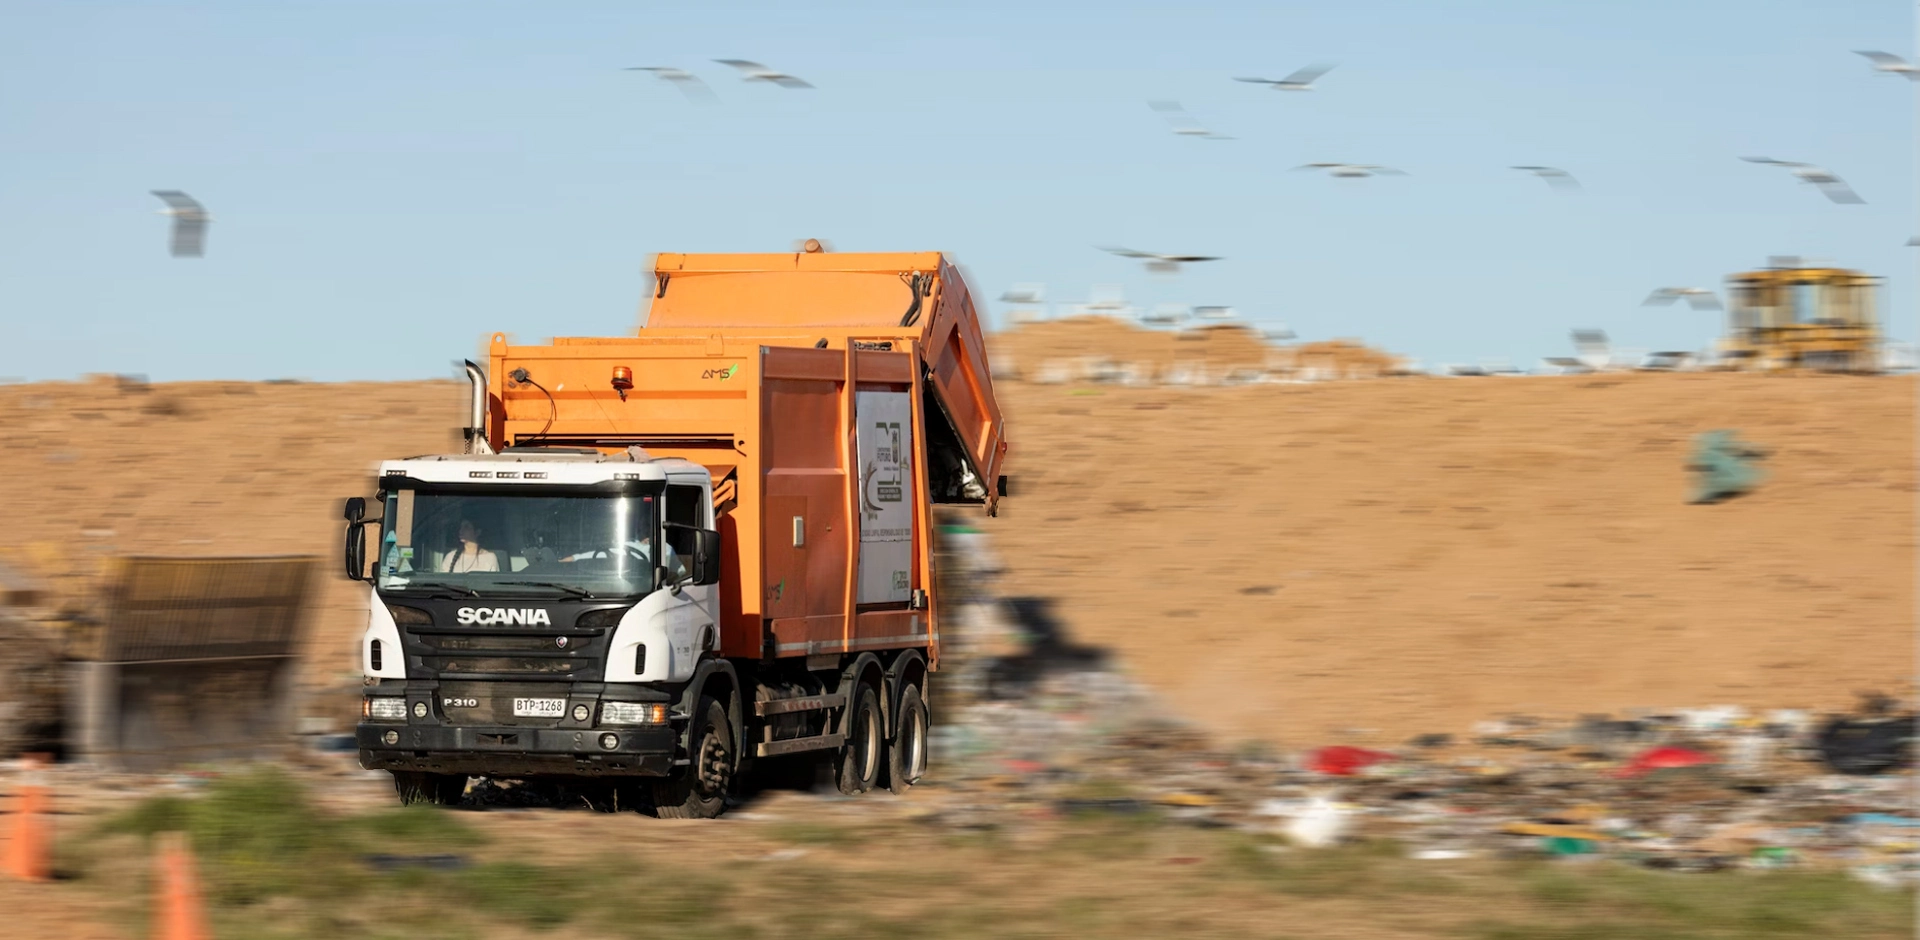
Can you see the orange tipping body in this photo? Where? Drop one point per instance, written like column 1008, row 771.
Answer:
column 806, row 384
column 813, row 296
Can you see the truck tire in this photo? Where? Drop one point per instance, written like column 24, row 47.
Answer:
column 907, row 755
column 435, row 789
column 699, row 790
column 864, row 751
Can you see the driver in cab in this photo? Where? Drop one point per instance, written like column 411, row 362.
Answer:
column 469, row 556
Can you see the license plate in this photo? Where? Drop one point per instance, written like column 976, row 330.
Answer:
column 539, row 707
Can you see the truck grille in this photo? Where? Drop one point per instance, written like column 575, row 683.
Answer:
column 506, row 666
column 567, row 653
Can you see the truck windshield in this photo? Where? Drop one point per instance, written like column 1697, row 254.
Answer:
column 530, row 542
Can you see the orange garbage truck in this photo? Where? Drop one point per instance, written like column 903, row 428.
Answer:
column 667, row 556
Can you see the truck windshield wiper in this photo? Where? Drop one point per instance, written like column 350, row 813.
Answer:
column 441, row 585
column 570, row 589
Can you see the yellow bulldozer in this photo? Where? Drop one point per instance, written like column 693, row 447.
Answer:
column 1792, row 316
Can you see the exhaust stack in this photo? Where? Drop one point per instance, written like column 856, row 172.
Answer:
column 476, row 429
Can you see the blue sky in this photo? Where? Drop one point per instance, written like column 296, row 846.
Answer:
column 392, row 181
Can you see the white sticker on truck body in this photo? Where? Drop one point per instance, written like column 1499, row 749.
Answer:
column 885, row 421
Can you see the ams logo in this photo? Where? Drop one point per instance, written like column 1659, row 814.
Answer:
column 721, row 374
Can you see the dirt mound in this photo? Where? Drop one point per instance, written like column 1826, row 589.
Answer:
column 1277, row 560
column 1108, row 349
column 1336, row 359
column 1286, row 561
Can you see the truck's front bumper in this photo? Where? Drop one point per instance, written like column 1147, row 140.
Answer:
column 513, row 752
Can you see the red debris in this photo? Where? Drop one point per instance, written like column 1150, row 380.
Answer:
column 1343, row 761
column 1661, row 758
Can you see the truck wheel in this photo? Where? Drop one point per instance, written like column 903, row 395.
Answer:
column 420, row 787
column 699, row 790
column 861, row 754
column 907, row 757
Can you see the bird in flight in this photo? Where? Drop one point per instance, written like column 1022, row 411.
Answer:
column 1182, row 122
column 189, row 223
column 1025, row 294
column 755, row 72
column 688, row 83
column 1298, row 81
column 1699, row 298
column 1352, row 170
column 1835, row 188
column 1555, row 177
column 1891, row 64
column 1160, row 264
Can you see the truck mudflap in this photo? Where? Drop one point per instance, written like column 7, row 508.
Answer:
column 518, row 751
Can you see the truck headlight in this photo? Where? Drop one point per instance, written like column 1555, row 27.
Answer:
column 633, row 713
column 385, row 709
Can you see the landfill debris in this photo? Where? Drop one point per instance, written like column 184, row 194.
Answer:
column 1033, row 728
column 429, row 862
column 1345, row 761
column 1664, row 758
column 1872, row 742
column 1319, row 823
column 1723, row 467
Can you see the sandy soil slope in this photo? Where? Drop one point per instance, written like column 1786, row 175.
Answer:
column 1281, row 560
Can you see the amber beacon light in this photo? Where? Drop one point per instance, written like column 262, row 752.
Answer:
column 622, row 381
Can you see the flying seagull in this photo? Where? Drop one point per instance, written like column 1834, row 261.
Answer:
column 688, row 83
column 1352, row 170
column 1891, row 64
column 1025, row 294
column 1182, row 122
column 1555, row 177
column 189, row 223
column 1298, row 81
column 1699, row 298
column 1160, row 264
column 1833, row 186
column 755, row 72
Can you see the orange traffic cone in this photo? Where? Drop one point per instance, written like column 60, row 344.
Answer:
column 30, row 850
column 177, row 914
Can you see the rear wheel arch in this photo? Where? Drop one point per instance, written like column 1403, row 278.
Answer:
column 865, row 669
column 909, row 669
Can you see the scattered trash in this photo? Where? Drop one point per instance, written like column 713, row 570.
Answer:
column 1344, row 761
column 1320, row 823
column 428, row 862
column 1033, row 728
column 1723, row 467
column 1866, row 746
column 1665, row 758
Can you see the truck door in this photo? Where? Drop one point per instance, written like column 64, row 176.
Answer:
column 692, row 624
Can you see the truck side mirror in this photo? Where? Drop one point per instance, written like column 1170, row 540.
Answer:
column 706, row 557
column 356, row 509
